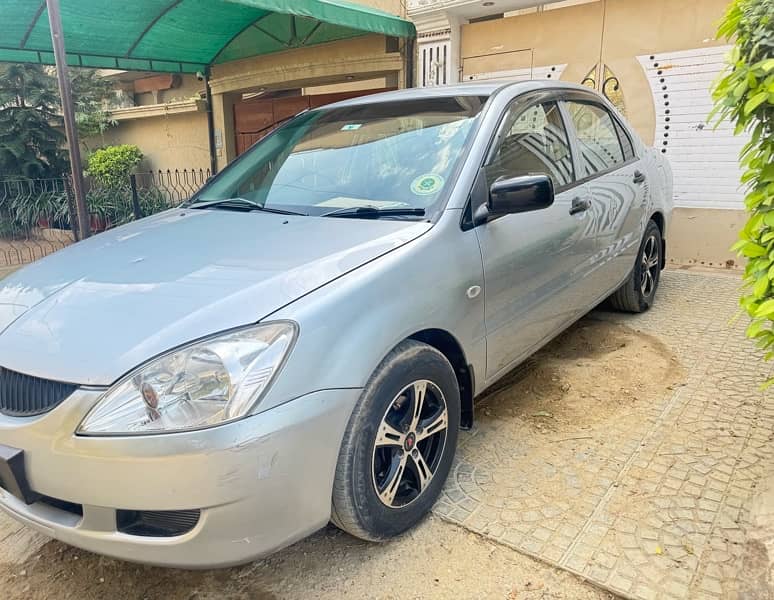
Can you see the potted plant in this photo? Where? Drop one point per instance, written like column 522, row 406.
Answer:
column 40, row 209
column 11, row 228
column 109, row 199
column 101, row 203
column 47, row 207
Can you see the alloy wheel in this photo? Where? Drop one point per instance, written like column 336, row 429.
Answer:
column 650, row 265
column 409, row 443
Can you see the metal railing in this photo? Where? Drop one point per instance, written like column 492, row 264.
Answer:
column 37, row 215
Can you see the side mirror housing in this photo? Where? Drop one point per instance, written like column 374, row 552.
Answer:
column 516, row 195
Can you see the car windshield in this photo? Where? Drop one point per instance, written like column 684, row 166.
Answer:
column 369, row 159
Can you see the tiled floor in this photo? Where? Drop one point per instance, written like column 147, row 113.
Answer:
column 652, row 501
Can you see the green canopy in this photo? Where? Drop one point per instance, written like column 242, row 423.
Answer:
column 182, row 35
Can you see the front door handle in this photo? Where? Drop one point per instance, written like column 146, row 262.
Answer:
column 579, row 205
column 639, row 176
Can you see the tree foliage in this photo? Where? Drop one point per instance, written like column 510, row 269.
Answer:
column 111, row 165
column 31, row 137
column 31, row 126
column 91, row 95
column 745, row 96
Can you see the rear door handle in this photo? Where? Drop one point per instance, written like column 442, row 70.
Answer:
column 579, row 205
column 639, row 176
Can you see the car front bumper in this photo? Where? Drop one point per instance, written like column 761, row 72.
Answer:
column 260, row 483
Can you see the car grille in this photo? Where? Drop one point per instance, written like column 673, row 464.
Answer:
column 156, row 523
column 23, row 395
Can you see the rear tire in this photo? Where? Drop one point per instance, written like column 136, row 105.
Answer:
column 394, row 460
column 638, row 292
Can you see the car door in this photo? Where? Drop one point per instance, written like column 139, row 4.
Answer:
column 617, row 181
column 534, row 262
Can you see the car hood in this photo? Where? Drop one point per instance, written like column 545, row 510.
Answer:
column 95, row 310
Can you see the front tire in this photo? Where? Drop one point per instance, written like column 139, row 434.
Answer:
column 638, row 292
column 399, row 444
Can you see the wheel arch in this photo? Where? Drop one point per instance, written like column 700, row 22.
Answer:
column 447, row 344
column 658, row 218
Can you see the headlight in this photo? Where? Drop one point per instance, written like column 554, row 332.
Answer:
column 200, row 385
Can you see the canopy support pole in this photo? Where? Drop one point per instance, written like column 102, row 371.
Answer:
column 71, row 131
column 410, row 49
column 210, row 124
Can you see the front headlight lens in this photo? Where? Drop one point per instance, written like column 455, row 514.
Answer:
column 204, row 384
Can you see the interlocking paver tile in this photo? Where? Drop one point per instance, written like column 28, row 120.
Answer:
column 648, row 494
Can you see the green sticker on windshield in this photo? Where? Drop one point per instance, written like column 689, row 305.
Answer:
column 427, row 184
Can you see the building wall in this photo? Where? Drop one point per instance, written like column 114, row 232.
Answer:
column 575, row 35
column 349, row 86
column 176, row 141
column 168, row 142
column 665, row 55
column 335, row 64
column 703, row 237
column 394, row 7
column 363, row 57
column 187, row 87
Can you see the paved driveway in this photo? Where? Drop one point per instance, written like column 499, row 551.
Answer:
column 636, row 465
column 629, row 452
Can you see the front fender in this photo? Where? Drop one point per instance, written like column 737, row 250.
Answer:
column 348, row 326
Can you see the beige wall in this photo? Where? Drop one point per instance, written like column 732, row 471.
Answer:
column 188, row 87
column 349, row 86
column 363, row 58
column 180, row 140
column 168, row 142
column 394, row 7
column 575, row 36
column 615, row 32
column 704, row 236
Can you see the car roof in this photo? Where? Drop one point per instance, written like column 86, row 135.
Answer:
column 471, row 88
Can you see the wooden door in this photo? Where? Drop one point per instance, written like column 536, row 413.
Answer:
column 255, row 118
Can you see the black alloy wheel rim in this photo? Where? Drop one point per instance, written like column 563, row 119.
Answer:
column 650, row 264
column 409, row 443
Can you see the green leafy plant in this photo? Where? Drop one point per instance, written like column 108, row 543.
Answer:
column 31, row 138
column 31, row 125
column 111, row 166
column 11, row 230
column 11, row 226
column 745, row 96
column 46, row 206
column 152, row 201
column 108, row 206
column 92, row 95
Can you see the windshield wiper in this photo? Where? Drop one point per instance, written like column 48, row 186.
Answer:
column 244, row 203
column 372, row 212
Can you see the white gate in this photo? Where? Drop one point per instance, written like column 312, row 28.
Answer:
column 704, row 159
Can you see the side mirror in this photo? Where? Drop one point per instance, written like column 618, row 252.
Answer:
column 516, row 195
column 520, row 194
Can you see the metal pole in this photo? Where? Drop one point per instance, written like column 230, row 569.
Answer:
column 210, row 125
column 57, row 41
column 136, row 208
column 410, row 61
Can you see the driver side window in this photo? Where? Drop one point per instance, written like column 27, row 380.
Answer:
column 535, row 141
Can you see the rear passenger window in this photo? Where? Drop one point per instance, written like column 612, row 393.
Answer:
column 600, row 147
column 535, row 141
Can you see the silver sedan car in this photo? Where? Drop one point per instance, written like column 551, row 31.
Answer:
column 302, row 341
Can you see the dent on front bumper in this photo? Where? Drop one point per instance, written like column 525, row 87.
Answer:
column 261, row 483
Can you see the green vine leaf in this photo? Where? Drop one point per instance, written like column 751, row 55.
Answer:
column 744, row 95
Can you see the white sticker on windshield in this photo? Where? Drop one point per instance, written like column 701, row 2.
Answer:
column 352, row 126
column 427, row 184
